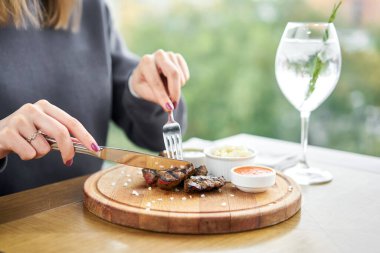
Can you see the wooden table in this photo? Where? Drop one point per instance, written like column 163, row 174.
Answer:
column 342, row 216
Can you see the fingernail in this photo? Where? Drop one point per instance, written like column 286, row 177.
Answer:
column 95, row 147
column 169, row 106
column 175, row 104
column 69, row 163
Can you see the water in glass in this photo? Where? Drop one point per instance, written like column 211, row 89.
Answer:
column 308, row 63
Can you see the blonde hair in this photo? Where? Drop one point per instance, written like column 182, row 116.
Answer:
column 57, row 14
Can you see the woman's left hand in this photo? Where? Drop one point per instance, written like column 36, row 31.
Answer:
column 148, row 79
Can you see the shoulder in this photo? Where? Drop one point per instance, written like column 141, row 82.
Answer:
column 95, row 7
column 96, row 13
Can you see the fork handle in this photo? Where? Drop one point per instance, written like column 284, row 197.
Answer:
column 78, row 147
column 171, row 117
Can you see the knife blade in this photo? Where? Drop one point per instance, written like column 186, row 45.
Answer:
column 131, row 158
column 139, row 160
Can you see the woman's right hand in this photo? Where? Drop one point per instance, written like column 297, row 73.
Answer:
column 52, row 121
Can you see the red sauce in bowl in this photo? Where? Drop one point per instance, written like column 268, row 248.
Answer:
column 252, row 170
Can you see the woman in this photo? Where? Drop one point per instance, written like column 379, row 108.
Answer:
column 64, row 71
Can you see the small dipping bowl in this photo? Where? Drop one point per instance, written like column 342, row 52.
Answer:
column 254, row 178
column 220, row 165
column 195, row 156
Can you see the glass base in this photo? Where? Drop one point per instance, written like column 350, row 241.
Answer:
column 308, row 176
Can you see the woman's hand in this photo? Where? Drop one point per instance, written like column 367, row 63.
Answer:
column 52, row 121
column 159, row 78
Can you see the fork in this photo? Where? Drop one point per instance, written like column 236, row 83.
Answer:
column 171, row 132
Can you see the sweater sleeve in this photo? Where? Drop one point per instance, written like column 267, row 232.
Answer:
column 3, row 164
column 141, row 120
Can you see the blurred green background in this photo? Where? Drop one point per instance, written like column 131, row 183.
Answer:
column 230, row 47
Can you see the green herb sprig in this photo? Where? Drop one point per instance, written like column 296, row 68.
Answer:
column 318, row 62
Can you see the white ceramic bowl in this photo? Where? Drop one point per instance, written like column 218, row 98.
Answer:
column 253, row 182
column 195, row 156
column 221, row 166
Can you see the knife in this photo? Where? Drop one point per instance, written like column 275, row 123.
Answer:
column 131, row 158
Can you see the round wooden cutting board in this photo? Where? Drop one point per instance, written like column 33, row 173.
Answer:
column 120, row 195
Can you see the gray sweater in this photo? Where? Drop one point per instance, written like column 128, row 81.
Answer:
column 85, row 74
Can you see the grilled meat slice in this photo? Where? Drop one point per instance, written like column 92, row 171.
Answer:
column 203, row 183
column 163, row 153
column 150, row 176
column 201, row 171
column 171, row 178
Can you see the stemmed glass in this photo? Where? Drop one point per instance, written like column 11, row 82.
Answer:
column 308, row 63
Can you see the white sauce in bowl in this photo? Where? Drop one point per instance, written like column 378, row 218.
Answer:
column 232, row 151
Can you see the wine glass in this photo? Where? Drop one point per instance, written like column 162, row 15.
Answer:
column 308, row 63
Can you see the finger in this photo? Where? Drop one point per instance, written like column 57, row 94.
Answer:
column 20, row 146
column 184, row 67
column 172, row 74
column 71, row 123
column 152, row 76
column 59, row 132
column 174, row 59
column 75, row 140
column 139, row 82
column 39, row 143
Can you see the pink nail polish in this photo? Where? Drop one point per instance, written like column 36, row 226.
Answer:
column 95, row 147
column 69, row 162
column 169, row 106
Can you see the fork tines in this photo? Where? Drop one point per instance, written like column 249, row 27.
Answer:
column 173, row 138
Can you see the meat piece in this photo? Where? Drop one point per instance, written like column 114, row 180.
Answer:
column 169, row 179
column 201, row 171
column 150, row 176
column 203, row 183
column 163, row 153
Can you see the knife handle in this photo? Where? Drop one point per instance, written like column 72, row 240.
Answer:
column 78, row 147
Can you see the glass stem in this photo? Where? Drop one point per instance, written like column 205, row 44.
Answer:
column 304, row 136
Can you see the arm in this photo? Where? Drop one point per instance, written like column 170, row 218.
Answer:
column 3, row 164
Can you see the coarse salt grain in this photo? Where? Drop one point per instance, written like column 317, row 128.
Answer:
column 128, row 175
column 125, row 184
column 190, row 196
column 139, row 173
column 203, row 196
column 183, row 198
column 147, row 209
column 113, row 183
column 129, row 180
column 219, row 190
column 182, row 167
column 171, row 198
column 161, row 166
column 171, row 166
column 160, row 199
column 122, row 172
column 176, row 189
column 232, row 195
column 149, row 188
column 135, row 193
column 224, row 204
column 149, row 204
column 153, row 201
